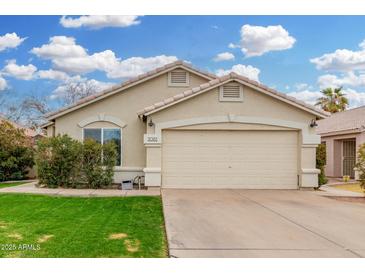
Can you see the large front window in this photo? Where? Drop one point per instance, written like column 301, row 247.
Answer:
column 104, row 135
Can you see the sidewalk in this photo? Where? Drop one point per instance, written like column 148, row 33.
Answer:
column 30, row 188
column 327, row 190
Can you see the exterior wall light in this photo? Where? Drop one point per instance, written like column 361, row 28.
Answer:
column 313, row 123
column 150, row 123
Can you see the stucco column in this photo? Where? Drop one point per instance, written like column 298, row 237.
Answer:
column 152, row 170
column 308, row 176
column 309, row 172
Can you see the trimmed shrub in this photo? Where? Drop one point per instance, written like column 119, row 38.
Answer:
column 59, row 161
column 320, row 163
column 62, row 161
column 16, row 152
column 98, row 163
column 360, row 165
column 109, row 161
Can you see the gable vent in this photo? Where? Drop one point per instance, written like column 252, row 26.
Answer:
column 178, row 77
column 231, row 92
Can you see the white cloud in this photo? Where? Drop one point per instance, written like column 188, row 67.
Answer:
column 53, row 75
column 355, row 98
column 341, row 60
column 60, row 47
column 3, row 84
column 302, row 86
column 348, row 79
column 257, row 40
column 69, row 57
column 362, row 44
column 224, row 56
column 233, row 46
column 307, row 96
column 247, row 71
column 23, row 72
column 10, row 40
column 100, row 21
column 134, row 66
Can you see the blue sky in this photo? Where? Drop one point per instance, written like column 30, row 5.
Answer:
column 298, row 55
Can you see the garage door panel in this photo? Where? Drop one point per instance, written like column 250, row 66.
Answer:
column 229, row 159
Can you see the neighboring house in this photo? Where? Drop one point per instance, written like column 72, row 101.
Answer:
column 342, row 133
column 184, row 128
column 33, row 135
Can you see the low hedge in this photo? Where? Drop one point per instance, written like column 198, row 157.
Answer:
column 360, row 165
column 64, row 162
column 320, row 163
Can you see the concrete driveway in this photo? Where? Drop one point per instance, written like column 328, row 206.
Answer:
column 262, row 223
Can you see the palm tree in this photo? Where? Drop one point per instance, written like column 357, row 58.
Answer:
column 333, row 100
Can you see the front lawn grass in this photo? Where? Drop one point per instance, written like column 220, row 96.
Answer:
column 355, row 187
column 3, row 185
column 66, row 227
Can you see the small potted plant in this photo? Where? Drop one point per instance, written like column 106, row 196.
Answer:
column 346, row 178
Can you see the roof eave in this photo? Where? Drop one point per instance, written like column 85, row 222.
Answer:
column 318, row 114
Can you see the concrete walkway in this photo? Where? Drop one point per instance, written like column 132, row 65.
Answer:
column 328, row 190
column 30, row 188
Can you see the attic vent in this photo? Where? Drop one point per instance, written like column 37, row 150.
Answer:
column 231, row 92
column 178, row 78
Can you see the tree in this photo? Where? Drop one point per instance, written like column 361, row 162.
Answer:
column 29, row 113
column 16, row 152
column 74, row 91
column 333, row 100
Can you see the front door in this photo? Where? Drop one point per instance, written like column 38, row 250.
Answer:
column 348, row 157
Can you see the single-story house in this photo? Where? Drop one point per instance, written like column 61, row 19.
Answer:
column 342, row 133
column 181, row 127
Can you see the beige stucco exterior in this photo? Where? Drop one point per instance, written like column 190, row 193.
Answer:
column 123, row 106
column 142, row 144
column 257, row 112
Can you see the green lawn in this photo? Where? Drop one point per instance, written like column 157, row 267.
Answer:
column 355, row 187
column 81, row 227
column 3, row 185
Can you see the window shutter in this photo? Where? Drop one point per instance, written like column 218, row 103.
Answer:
column 231, row 92
column 178, row 77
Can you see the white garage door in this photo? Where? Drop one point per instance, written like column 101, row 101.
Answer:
column 229, row 159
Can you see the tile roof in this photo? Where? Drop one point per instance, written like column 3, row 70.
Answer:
column 217, row 82
column 129, row 83
column 352, row 119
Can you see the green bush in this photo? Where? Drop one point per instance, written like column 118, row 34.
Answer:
column 62, row 161
column 16, row 152
column 360, row 165
column 98, row 163
column 58, row 161
column 320, row 163
column 109, row 161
